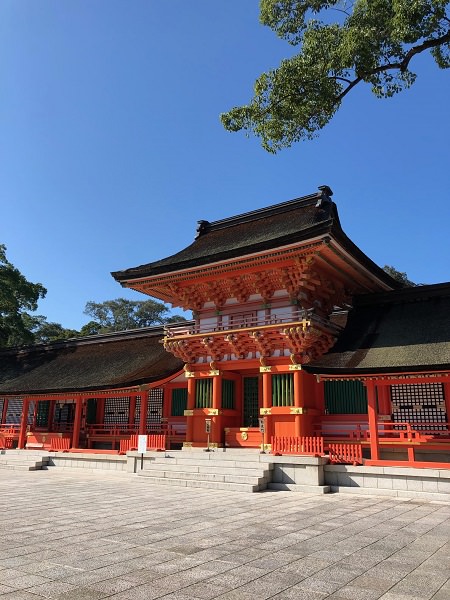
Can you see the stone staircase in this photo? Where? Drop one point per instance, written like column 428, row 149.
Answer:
column 230, row 470
column 23, row 460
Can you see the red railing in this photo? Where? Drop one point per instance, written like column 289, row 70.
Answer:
column 297, row 445
column 8, row 434
column 345, row 454
column 154, row 442
column 245, row 322
column 60, row 444
column 112, row 430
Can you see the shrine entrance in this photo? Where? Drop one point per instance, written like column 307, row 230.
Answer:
column 250, row 402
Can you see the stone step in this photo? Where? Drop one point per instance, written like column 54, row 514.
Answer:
column 242, row 464
column 23, row 460
column 17, row 466
column 307, row 489
column 36, row 463
column 213, row 485
column 229, row 478
column 206, row 468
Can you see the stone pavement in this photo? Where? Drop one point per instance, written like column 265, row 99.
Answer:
column 83, row 537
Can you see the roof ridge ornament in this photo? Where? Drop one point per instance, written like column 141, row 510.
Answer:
column 325, row 195
column 202, row 225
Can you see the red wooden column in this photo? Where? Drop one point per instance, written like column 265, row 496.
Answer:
column 143, row 413
column 51, row 415
column 447, row 399
column 216, row 433
column 373, row 420
column 267, row 405
column 384, row 400
column 132, row 411
column 190, row 411
column 79, row 401
column 23, row 423
column 299, row 403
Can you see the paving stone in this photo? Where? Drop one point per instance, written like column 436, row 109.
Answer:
column 126, row 540
column 53, row 589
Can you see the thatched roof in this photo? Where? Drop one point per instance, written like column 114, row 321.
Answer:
column 116, row 360
column 397, row 331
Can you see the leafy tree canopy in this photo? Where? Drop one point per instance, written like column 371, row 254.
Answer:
column 342, row 43
column 121, row 314
column 45, row 332
column 17, row 296
column 399, row 276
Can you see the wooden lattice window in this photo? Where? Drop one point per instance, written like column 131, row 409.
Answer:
column 117, row 411
column 155, row 406
column 345, row 398
column 203, row 393
column 228, row 393
column 251, row 402
column 14, row 411
column 42, row 413
column 64, row 412
column 421, row 403
column 179, row 402
column 283, row 390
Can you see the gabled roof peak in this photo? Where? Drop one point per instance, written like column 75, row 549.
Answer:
column 324, row 194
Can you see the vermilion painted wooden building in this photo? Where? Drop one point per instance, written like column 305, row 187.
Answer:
column 295, row 331
column 92, row 393
column 271, row 291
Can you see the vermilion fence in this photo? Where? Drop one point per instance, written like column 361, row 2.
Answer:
column 297, row 445
column 345, row 454
column 154, row 442
column 60, row 444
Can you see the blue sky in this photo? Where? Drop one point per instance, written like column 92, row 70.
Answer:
column 111, row 147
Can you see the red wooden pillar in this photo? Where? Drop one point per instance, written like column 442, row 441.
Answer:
column 51, row 415
column 4, row 412
column 132, row 411
column 299, row 402
column 447, row 400
column 23, row 423
column 267, row 405
column 77, row 421
column 384, row 400
column 143, row 413
column 216, row 433
column 190, row 409
column 373, row 420
column 167, row 402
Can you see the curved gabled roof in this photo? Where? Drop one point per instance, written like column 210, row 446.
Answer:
column 268, row 228
column 109, row 361
column 404, row 330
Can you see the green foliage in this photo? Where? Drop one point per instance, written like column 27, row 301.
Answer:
column 45, row 332
column 17, row 296
column 122, row 314
column 341, row 44
column 399, row 276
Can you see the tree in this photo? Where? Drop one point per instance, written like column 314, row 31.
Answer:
column 45, row 332
column 341, row 44
column 399, row 276
column 17, row 296
column 121, row 314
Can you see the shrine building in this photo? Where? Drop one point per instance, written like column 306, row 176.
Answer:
column 299, row 345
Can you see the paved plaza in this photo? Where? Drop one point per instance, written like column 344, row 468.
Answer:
column 75, row 536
